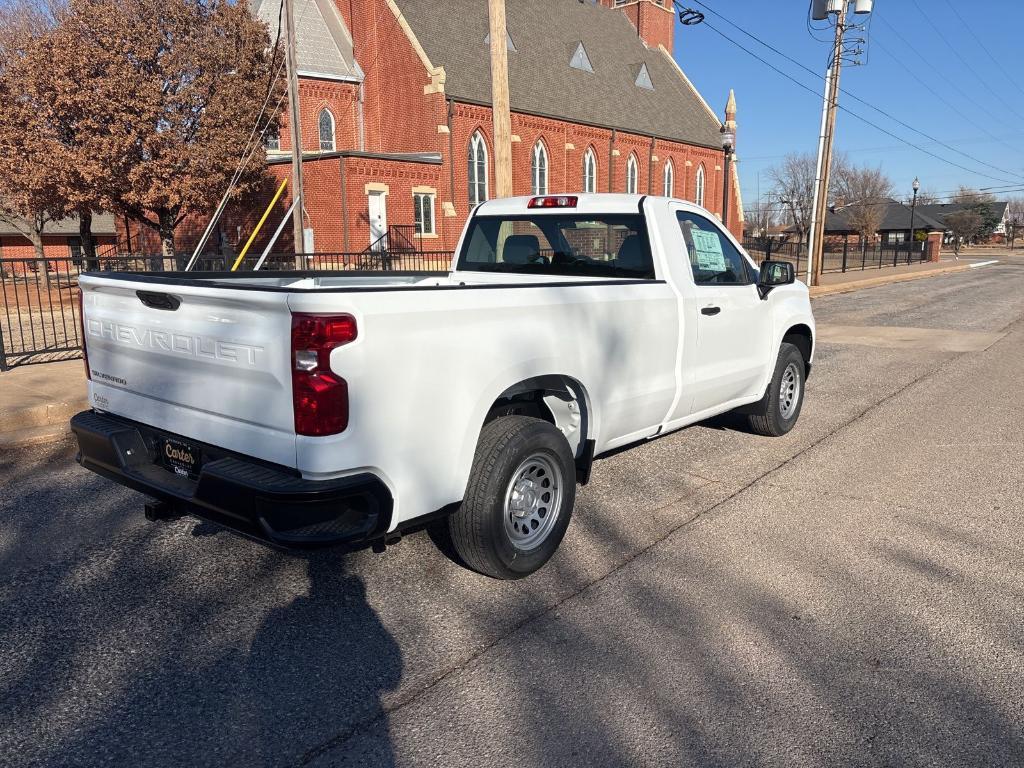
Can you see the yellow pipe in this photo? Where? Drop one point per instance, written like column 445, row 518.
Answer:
column 266, row 213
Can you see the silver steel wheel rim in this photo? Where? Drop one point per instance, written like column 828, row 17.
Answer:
column 533, row 502
column 789, row 391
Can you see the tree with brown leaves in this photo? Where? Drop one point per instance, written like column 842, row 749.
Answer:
column 153, row 103
column 30, row 195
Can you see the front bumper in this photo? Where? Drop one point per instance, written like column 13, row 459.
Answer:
column 262, row 501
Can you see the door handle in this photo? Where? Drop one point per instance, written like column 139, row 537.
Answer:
column 710, row 310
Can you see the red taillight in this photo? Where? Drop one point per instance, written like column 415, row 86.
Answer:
column 555, row 201
column 81, row 328
column 319, row 396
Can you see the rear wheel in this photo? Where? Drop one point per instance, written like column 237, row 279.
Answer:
column 519, row 499
column 779, row 409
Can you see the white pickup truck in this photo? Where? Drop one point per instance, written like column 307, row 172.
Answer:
column 307, row 409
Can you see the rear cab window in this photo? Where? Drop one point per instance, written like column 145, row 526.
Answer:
column 581, row 245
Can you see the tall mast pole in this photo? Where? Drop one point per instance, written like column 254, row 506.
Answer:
column 291, row 70
column 500, row 108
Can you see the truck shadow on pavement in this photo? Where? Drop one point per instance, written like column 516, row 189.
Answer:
column 161, row 658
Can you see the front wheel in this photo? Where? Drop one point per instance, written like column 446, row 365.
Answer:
column 776, row 413
column 519, row 498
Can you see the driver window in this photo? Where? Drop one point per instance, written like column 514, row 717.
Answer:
column 714, row 260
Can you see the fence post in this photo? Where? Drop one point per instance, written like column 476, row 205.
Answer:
column 3, row 351
column 846, row 244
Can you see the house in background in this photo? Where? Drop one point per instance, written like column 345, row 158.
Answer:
column 894, row 228
column 60, row 238
column 999, row 211
column 396, row 122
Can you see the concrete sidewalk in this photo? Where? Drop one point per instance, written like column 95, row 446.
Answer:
column 842, row 282
column 36, row 402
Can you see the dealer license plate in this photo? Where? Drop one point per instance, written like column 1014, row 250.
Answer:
column 181, row 458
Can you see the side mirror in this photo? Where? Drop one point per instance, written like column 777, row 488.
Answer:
column 774, row 274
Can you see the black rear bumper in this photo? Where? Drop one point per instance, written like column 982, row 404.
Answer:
column 262, row 501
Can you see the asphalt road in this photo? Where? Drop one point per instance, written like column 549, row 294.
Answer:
column 850, row 594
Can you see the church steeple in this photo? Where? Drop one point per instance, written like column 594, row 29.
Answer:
column 730, row 113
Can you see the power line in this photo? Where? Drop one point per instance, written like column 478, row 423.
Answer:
column 966, row 96
column 984, row 47
column 850, row 112
column 887, row 148
column 855, row 97
column 940, row 200
column 966, row 63
column 950, row 105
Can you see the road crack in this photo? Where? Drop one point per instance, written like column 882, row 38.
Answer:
column 366, row 723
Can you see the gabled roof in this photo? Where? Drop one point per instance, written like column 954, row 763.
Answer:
column 897, row 217
column 102, row 224
column 541, row 81
column 940, row 211
column 323, row 43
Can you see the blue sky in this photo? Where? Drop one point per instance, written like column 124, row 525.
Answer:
column 775, row 116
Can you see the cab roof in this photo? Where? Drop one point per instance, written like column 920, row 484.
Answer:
column 586, row 203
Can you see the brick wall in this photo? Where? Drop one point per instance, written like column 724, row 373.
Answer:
column 314, row 96
column 401, row 107
column 399, row 115
column 653, row 19
column 54, row 247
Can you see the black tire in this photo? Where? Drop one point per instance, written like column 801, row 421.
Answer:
column 478, row 532
column 770, row 416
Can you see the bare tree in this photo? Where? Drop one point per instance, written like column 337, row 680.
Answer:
column 1014, row 218
column 793, row 187
column 760, row 217
column 924, row 197
column 981, row 203
column 964, row 224
column 969, row 195
column 793, row 182
column 865, row 194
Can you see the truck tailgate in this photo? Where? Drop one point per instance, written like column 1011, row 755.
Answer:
column 207, row 363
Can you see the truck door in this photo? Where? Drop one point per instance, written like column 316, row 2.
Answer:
column 733, row 325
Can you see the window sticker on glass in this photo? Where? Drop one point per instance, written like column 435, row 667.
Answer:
column 709, row 251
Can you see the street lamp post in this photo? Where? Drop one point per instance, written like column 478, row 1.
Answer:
column 913, row 205
column 728, row 141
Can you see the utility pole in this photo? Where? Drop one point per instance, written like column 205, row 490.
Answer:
column 291, row 67
column 500, row 108
column 822, row 9
column 816, row 242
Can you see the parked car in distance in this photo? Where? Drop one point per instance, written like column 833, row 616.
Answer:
column 308, row 409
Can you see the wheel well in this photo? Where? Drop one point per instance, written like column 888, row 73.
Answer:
column 559, row 400
column 800, row 337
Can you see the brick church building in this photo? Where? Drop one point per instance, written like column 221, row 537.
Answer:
column 397, row 127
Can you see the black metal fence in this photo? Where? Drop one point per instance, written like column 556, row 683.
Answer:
column 39, row 313
column 839, row 257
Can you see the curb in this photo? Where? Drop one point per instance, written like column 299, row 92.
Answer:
column 39, row 423
column 828, row 290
